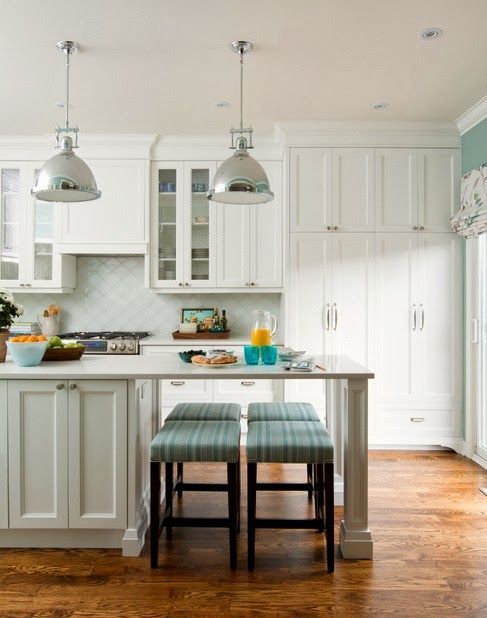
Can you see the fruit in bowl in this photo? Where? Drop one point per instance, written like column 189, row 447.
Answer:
column 27, row 351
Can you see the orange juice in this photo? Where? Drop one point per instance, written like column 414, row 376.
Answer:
column 261, row 336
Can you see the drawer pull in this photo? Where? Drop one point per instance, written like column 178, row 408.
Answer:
column 178, row 382
column 247, row 383
column 417, row 419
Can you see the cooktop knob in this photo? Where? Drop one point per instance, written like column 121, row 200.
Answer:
column 113, row 346
column 121, row 346
column 130, row 347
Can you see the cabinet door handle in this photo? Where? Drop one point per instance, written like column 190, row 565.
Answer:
column 178, row 382
column 72, row 386
column 335, row 321
column 60, row 387
column 28, row 285
column 414, row 317
column 417, row 419
column 247, row 383
column 327, row 319
column 422, row 317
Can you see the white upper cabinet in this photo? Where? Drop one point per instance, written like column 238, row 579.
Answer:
column 233, row 245
column 310, row 195
column 396, row 189
column 373, row 189
column 439, row 188
column 114, row 223
column 29, row 259
column 353, row 189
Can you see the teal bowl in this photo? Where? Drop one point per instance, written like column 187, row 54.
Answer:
column 27, row 354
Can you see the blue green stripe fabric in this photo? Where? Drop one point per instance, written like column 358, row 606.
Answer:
column 289, row 442
column 197, row 441
column 205, row 412
column 281, row 411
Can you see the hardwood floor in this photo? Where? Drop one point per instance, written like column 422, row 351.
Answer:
column 429, row 522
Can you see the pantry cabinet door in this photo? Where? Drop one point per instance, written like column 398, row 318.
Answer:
column 439, row 188
column 38, row 453
column 3, row 456
column 233, row 245
column 353, row 189
column 396, row 189
column 439, row 320
column 98, row 454
column 310, row 197
column 266, row 234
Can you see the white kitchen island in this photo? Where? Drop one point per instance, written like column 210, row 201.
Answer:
column 74, row 440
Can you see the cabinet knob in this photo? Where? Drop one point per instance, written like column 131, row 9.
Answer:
column 186, row 284
column 328, row 227
column 180, row 284
column 421, row 228
column 335, row 228
column 252, row 283
column 246, row 283
column 72, row 386
column 415, row 227
column 60, row 387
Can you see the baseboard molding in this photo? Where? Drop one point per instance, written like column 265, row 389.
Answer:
column 44, row 538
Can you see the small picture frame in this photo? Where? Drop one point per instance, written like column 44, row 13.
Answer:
column 187, row 314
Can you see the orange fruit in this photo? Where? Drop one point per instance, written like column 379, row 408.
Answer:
column 15, row 339
column 41, row 338
column 32, row 338
column 24, row 338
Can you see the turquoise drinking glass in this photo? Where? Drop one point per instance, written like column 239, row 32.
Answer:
column 269, row 354
column 251, row 354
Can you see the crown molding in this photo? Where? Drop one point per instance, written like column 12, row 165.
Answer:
column 369, row 134
column 472, row 116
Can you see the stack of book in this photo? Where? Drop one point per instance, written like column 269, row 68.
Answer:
column 25, row 328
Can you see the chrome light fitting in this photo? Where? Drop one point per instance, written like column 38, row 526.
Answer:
column 66, row 177
column 241, row 179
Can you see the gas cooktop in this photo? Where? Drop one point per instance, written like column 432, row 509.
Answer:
column 107, row 342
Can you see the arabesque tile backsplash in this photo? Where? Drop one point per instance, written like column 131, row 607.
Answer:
column 110, row 295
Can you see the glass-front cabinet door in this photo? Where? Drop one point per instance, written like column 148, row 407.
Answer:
column 199, row 239
column 12, row 191
column 41, row 254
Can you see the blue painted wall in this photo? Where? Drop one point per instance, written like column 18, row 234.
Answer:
column 474, row 147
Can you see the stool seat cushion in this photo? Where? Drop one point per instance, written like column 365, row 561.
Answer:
column 205, row 412
column 289, row 442
column 197, row 441
column 281, row 411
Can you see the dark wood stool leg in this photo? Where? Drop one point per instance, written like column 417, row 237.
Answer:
column 239, row 493
column 155, row 502
column 179, row 476
column 315, row 490
column 309, row 477
column 251, row 508
column 169, row 496
column 232, row 481
column 321, row 497
column 330, row 517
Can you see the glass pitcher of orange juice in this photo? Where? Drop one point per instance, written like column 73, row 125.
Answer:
column 265, row 325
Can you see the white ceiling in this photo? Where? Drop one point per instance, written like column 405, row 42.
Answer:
column 160, row 66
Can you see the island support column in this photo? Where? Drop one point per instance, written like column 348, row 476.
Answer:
column 355, row 538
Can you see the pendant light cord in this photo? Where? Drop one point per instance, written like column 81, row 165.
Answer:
column 241, row 88
column 68, row 54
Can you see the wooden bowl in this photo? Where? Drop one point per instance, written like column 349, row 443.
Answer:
column 63, row 354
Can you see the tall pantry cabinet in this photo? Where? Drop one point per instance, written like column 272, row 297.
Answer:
column 375, row 275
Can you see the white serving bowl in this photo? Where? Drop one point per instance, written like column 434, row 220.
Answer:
column 27, row 354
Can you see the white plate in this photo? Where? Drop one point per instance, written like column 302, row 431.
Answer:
column 215, row 365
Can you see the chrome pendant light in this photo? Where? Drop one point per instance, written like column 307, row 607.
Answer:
column 241, row 179
column 66, row 177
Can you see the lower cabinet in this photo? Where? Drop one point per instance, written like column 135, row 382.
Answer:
column 67, row 453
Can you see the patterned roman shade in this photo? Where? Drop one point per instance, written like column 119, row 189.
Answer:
column 471, row 219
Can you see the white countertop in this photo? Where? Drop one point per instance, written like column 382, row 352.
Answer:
column 101, row 367
column 220, row 343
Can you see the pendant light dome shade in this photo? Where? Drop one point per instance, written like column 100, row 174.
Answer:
column 66, row 178
column 241, row 180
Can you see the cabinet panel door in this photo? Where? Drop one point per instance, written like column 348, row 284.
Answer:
column 353, row 295
column 396, row 189
column 117, row 217
column 310, row 196
column 396, row 323
column 266, row 234
column 13, row 221
column 439, row 188
column 245, row 391
column 233, row 249
column 98, row 454
column 3, row 456
column 353, row 188
column 440, row 319
column 38, row 453
column 310, row 326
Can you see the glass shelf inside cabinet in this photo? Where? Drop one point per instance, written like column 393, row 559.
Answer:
column 200, row 225
column 43, row 241
column 10, row 224
column 167, row 225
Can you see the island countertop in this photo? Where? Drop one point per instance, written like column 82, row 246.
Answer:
column 100, row 367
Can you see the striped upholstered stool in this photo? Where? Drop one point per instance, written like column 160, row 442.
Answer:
column 201, row 412
column 201, row 441
column 291, row 442
column 285, row 411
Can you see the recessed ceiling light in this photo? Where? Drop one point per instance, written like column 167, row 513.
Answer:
column 380, row 107
column 431, row 33
column 222, row 105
